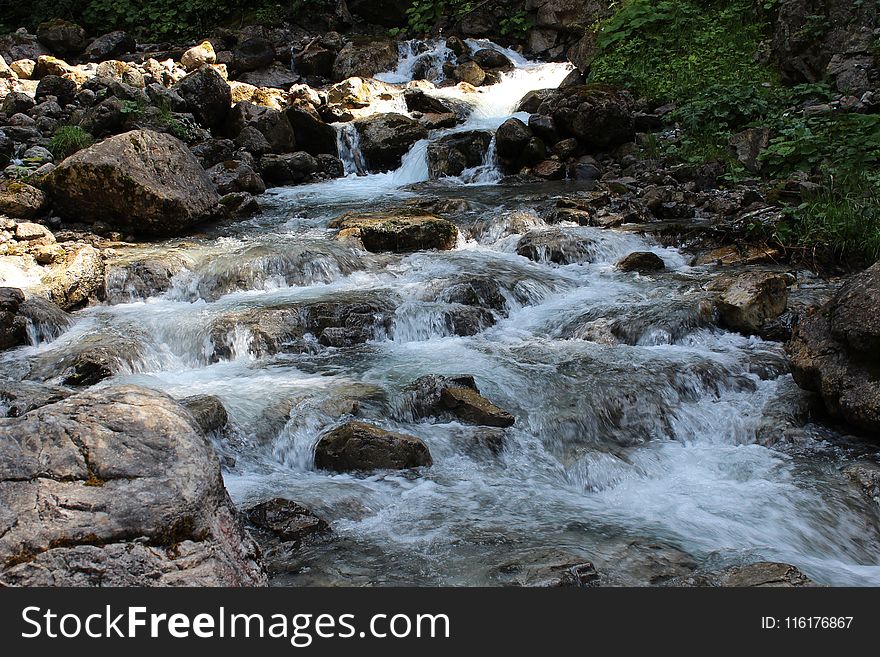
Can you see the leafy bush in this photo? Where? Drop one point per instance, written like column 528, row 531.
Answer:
column 67, row 140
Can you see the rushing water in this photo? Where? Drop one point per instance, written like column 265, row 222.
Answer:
column 640, row 431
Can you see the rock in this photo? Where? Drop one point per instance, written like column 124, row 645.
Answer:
column 285, row 519
column 597, row 116
column 6, row 73
column 549, row 170
column 386, row 138
column 488, row 58
column 77, row 279
column 21, row 45
column 452, row 154
column 208, row 411
column 357, row 446
column 865, row 475
column 208, row 96
column 548, row 569
column 13, row 326
column 470, row 73
column 764, row 573
column 287, row 169
column 458, row 397
column 312, row 134
column 271, row 123
column 253, row 141
column 642, row 262
column 23, row 68
column 20, row 397
column 557, row 245
column 315, row 60
column 109, row 46
column 198, row 56
column 142, row 278
column 62, row 37
column 253, row 54
column 748, row 145
column 364, row 59
column 240, row 204
column 233, row 176
column 21, row 200
column 543, row 128
column 274, row 76
column 511, row 138
column 17, row 103
column 750, row 300
column 136, row 503
column 61, row 88
column 213, row 151
column 398, row 233
column 418, row 101
column 833, row 351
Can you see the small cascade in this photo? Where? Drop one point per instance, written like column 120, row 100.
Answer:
column 419, row 60
column 348, row 142
column 488, row 172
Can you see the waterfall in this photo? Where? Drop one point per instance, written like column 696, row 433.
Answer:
column 348, row 143
column 419, row 60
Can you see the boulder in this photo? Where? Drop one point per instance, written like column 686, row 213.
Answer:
column 13, row 326
column 560, row 246
column 315, row 61
column 141, row 181
column 288, row 169
column 452, row 154
column 62, row 37
column 490, row 59
column 253, row 54
column 20, row 200
column 207, row 95
column 386, row 138
column 357, row 446
column 364, row 59
column 232, row 176
column 834, row 351
column 198, row 56
column 457, row 397
column 750, row 300
column 21, row 45
column 140, row 278
column 271, row 123
column 109, row 46
column 312, row 134
column 599, row 117
column 470, row 73
column 138, row 502
column 642, row 262
column 208, row 412
column 63, row 89
column 274, row 76
column 77, row 278
column 286, row 520
column 17, row 102
column 511, row 138
column 20, row 397
column 549, row 170
column 398, row 233
column 23, row 68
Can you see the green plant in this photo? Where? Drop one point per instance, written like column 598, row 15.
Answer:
column 67, row 140
column 165, row 117
column 516, row 25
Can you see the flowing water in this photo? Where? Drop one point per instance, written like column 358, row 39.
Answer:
column 640, row 432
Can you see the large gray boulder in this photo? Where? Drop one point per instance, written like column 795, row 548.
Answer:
column 386, row 138
column 141, row 181
column 117, row 487
column 598, row 117
column 208, row 96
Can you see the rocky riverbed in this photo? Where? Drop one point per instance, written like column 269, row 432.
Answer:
column 428, row 312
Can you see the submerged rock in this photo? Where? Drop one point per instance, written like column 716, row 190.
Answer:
column 357, row 446
column 835, row 351
column 642, row 262
column 285, row 519
column 458, row 397
column 399, row 233
column 141, row 181
column 129, row 494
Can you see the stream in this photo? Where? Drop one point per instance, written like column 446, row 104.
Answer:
column 638, row 437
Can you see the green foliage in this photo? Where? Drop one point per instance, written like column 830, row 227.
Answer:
column 673, row 49
column 516, row 25
column 67, row 140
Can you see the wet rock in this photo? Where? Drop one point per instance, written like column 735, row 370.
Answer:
column 90, row 360
column 357, row 446
column 20, row 200
column 289, row 168
column 315, row 60
column 549, row 170
column 207, row 95
column 511, row 138
column 140, row 181
column 834, row 351
column 386, row 138
column 198, row 56
column 491, row 59
column 475, row 291
column 312, row 134
column 452, row 154
column 253, row 54
column 548, row 568
column 77, row 278
column 458, row 397
column 364, row 59
column 557, row 245
column 208, row 411
column 109, row 46
column 240, row 204
column 470, row 73
column 62, row 37
column 399, row 233
column 761, row 574
column 20, row 397
column 865, row 475
column 142, row 278
column 642, row 262
column 13, row 327
column 234, row 176
column 285, row 519
column 597, row 116
column 750, row 300
column 136, row 503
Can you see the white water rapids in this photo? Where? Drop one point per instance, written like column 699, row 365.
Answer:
column 637, row 456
